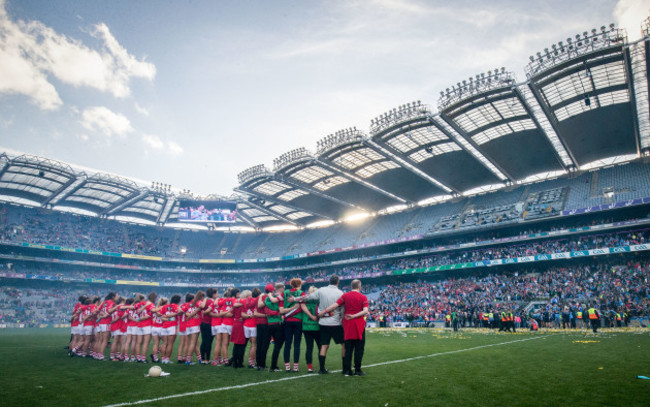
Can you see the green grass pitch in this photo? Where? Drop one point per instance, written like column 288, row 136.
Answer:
column 550, row 368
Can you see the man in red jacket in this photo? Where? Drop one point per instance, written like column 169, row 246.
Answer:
column 354, row 326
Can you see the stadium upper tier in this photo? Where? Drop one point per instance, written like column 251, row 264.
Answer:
column 583, row 105
column 598, row 190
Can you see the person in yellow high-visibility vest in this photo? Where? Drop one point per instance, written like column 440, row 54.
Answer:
column 594, row 318
column 579, row 318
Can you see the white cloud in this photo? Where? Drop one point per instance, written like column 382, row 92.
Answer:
column 153, row 141
column 31, row 51
column 106, row 122
column 174, row 148
column 629, row 14
column 143, row 111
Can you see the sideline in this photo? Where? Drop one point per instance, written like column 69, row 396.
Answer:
column 243, row 386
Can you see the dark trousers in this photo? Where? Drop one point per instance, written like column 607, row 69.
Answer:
column 292, row 334
column 310, row 338
column 454, row 323
column 206, row 341
column 595, row 323
column 263, row 342
column 277, row 332
column 357, row 347
column 238, row 352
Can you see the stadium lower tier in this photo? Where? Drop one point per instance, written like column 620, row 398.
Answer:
column 570, row 247
column 603, row 191
column 553, row 294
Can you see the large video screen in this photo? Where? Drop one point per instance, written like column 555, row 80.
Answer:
column 207, row 211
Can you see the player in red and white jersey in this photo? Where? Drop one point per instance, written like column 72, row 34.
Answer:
column 217, row 321
column 88, row 318
column 250, row 324
column 192, row 328
column 206, row 324
column 156, row 329
column 103, row 331
column 75, row 324
column 237, row 337
column 132, row 317
column 263, row 336
column 170, row 314
column 145, row 322
column 182, row 327
column 226, row 323
column 215, row 315
column 117, row 320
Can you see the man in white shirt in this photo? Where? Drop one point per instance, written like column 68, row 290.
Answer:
column 331, row 323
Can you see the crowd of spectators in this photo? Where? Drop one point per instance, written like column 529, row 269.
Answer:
column 18, row 225
column 612, row 287
column 561, row 292
column 82, row 232
column 361, row 270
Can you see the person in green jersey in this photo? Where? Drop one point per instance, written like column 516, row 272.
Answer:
column 276, row 328
column 292, row 325
column 310, row 328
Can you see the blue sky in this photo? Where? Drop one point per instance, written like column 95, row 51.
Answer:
column 191, row 93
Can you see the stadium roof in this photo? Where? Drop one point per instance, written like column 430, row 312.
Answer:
column 584, row 104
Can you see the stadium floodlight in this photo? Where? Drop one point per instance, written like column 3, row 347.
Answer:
column 494, row 79
column 291, row 157
column 345, row 136
column 257, row 171
column 579, row 45
column 645, row 27
column 403, row 113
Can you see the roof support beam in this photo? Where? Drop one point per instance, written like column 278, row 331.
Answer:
column 163, row 217
column 5, row 167
column 344, row 173
column 405, row 162
column 58, row 191
column 270, row 213
column 301, row 185
column 71, row 189
column 542, row 122
column 635, row 66
column 248, row 220
column 130, row 200
column 247, row 191
column 551, row 119
column 474, row 151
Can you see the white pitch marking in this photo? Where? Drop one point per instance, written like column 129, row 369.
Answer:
column 243, row 386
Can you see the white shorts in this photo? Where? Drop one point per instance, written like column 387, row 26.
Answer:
column 102, row 328
column 145, row 330
column 76, row 330
column 215, row 329
column 192, row 330
column 131, row 330
column 117, row 333
column 225, row 329
column 156, row 331
column 168, row 331
column 250, row 332
column 87, row 330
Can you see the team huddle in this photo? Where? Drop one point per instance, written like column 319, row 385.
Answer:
column 278, row 315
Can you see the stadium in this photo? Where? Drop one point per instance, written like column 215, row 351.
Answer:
column 501, row 204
